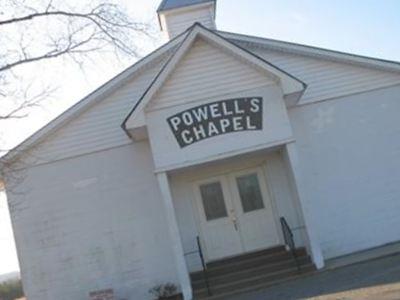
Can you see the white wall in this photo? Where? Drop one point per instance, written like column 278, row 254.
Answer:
column 97, row 217
column 168, row 154
column 99, row 126
column 349, row 152
column 280, row 193
column 285, row 196
column 207, row 71
column 178, row 20
column 92, row 222
column 204, row 75
column 325, row 79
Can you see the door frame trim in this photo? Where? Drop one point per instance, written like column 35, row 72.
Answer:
column 266, row 172
column 261, row 167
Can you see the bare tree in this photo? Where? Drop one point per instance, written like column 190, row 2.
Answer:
column 37, row 31
column 34, row 32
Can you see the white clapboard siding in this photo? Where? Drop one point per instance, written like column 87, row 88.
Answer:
column 92, row 222
column 349, row 153
column 99, row 127
column 327, row 79
column 178, row 23
column 205, row 72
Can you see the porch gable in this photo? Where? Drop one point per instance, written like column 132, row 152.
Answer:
column 171, row 74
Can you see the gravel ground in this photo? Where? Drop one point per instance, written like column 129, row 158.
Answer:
column 372, row 280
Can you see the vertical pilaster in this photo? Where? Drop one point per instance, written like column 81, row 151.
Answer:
column 175, row 236
column 295, row 172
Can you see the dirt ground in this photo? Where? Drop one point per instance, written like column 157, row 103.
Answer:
column 372, row 280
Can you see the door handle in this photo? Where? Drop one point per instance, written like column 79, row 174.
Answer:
column 234, row 220
column 235, row 224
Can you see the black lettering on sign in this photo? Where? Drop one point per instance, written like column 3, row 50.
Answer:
column 212, row 119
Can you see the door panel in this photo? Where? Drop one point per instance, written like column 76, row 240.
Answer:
column 253, row 209
column 221, row 239
column 249, row 192
column 213, row 201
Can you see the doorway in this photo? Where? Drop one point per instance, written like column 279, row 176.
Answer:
column 235, row 214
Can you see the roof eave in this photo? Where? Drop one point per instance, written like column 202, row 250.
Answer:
column 312, row 51
column 93, row 97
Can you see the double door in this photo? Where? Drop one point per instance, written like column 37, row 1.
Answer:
column 235, row 214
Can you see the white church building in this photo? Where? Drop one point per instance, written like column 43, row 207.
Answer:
column 219, row 162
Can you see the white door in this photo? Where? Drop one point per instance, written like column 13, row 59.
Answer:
column 219, row 235
column 253, row 209
column 235, row 214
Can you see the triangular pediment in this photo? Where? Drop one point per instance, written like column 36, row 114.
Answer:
column 207, row 71
column 204, row 54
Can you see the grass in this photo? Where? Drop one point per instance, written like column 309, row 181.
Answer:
column 11, row 290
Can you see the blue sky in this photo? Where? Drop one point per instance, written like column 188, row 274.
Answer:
column 368, row 27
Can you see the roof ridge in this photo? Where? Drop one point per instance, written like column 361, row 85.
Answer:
column 356, row 58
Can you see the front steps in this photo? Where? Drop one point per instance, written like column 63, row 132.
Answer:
column 249, row 272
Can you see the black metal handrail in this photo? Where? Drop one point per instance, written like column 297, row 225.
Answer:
column 204, row 265
column 289, row 240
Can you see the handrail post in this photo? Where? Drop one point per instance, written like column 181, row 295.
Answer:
column 289, row 240
column 203, row 263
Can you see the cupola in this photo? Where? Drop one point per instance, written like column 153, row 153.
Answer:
column 178, row 15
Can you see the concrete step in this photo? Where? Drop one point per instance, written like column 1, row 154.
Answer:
column 249, row 271
column 248, row 262
column 239, row 274
column 236, row 259
column 253, row 285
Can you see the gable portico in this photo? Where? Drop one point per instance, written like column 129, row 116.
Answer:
column 216, row 119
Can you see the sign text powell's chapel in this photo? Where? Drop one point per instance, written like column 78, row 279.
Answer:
column 212, row 119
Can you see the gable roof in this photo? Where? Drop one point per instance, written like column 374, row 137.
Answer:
column 290, row 84
column 171, row 4
column 98, row 94
column 312, row 51
column 94, row 97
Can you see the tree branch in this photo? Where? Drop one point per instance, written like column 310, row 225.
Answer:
column 48, row 31
column 69, row 49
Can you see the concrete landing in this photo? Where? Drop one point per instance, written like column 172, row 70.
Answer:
column 367, row 255
column 367, row 278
